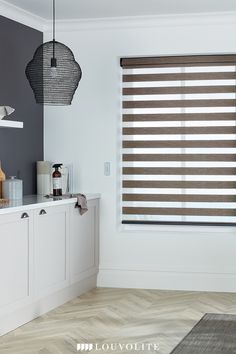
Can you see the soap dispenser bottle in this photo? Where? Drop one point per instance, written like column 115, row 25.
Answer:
column 57, row 180
column 2, row 179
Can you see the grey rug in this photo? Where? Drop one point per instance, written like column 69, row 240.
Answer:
column 213, row 334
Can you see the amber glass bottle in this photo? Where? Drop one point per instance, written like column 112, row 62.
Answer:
column 57, row 180
column 2, row 178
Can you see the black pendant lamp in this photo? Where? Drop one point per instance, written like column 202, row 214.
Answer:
column 53, row 73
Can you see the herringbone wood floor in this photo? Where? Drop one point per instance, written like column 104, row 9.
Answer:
column 117, row 316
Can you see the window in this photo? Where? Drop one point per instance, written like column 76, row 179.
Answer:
column 179, row 140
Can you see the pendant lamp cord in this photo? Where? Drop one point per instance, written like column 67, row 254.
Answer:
column 54, row 27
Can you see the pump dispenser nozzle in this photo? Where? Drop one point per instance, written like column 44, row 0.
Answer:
column 57, row 165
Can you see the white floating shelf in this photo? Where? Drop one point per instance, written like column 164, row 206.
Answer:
column 10, row 124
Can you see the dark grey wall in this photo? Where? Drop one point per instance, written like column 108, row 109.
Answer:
column 19, row 148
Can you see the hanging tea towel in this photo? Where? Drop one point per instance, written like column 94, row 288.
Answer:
column 81, row 203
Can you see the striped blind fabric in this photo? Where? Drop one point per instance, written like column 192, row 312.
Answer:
column 179, row 140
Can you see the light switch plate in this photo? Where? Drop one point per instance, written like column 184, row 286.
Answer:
column 107, row 168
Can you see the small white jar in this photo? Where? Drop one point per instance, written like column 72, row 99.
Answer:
column 12, row 188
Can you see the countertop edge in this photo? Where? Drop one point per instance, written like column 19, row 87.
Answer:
column 44, row 204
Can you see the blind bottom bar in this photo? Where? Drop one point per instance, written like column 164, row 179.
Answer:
column 184, row 223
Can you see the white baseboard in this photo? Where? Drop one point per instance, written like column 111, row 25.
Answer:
column 22, row 316
column 117, row 278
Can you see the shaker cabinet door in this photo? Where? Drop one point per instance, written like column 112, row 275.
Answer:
column 84, row 242
column 51, row 249
column 16, row 264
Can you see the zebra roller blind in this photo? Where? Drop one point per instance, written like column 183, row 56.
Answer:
column 179, row 140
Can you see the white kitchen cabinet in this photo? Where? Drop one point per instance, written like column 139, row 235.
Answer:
column 84, row 241
column 16, row 256
column 48, row 256
column 51, row 249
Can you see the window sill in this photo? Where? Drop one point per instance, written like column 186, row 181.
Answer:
column 176, row 229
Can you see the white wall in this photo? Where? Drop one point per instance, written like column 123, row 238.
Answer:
column 87, row 134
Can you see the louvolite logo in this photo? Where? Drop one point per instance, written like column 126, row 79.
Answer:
column 115, row 347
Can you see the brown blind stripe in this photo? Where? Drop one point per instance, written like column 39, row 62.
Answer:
column 175, row 61
column 179, row 157
column 180, row 184
column 179, row 130
column 179, row 211
column 179, row 198
column 180, row 144
column 178, row 117
column 178, row 103
column 225, row 171
column 180, row 77
column 177, row 90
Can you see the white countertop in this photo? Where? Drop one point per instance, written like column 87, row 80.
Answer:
column 38, row 201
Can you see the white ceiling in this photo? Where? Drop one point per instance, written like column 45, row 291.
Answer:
column 77, row 9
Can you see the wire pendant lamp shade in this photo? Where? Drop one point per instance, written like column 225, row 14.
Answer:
column 53, row 73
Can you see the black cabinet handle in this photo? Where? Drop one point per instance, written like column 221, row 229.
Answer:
column 24, row 216
column 42, row 212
